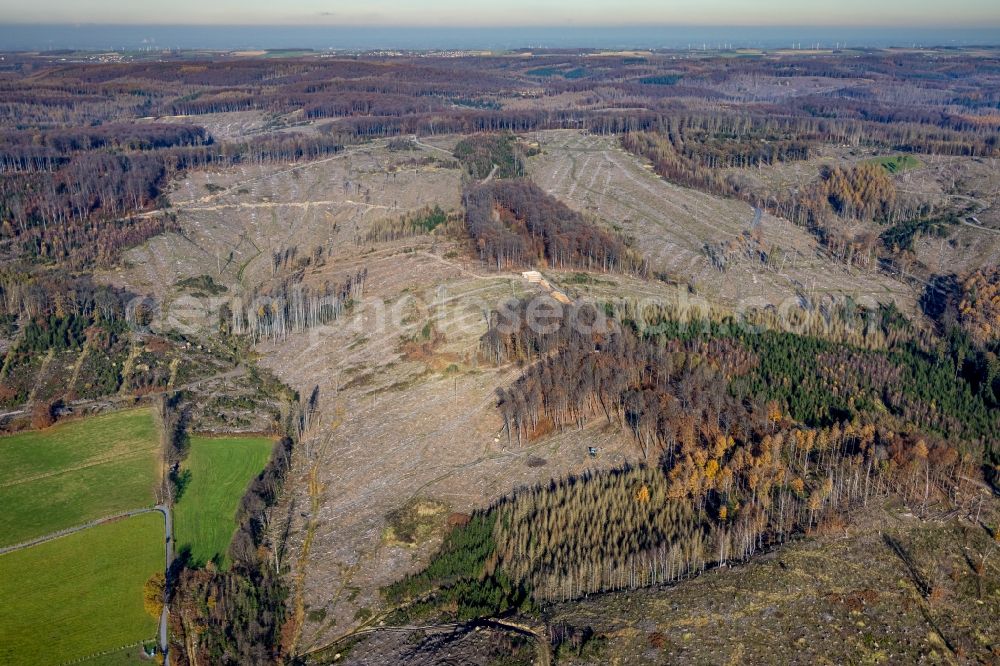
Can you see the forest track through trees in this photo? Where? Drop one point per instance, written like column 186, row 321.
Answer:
column 110, row 400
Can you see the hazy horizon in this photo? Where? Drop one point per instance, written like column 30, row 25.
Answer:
column 27, row 37
column 544, row 13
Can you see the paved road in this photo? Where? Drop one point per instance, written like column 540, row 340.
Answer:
column 168, row 529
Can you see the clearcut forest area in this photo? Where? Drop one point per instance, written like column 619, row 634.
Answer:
column 500, row 357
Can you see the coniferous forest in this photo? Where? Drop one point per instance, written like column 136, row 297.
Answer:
column 746, row 440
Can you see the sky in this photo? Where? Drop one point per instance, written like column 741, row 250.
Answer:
column 552, row 13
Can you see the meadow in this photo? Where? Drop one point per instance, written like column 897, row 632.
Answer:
column 76, row 471
column 897, row 163
column 79, row 594
column 216, row 473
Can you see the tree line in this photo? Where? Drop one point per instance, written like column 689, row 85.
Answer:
column 235, row 616
column 731, row 468
column 45, row 150
column 516, row 223
column 290, row 307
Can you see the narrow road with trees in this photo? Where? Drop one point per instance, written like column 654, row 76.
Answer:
column 168, row 530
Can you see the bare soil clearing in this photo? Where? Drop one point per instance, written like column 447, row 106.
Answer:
column 671, row 225
column 844, row 597
column 233, row 220
column 396, row 425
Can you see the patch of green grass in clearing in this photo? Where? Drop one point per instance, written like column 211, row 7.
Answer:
column 897, row 163
column 75, row 472
column 79, row 594
column 220, row 468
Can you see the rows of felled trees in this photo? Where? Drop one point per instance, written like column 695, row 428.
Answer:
column 837, row 195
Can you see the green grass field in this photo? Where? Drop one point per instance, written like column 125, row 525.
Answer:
column 130, row 656
column 75, row 472
column 220, row 469
column 79, row 594
column 897, row 163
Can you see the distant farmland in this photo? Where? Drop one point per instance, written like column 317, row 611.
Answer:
column 79, row 594
column 75, row 472
column 220, row 469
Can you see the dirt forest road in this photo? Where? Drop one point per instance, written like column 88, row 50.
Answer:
column 416, row 140
column 129, row 398
column 967, row 223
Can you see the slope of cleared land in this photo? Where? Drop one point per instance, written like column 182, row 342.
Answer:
column 396, row 421
column 671, row 226
column 403, row 420
column 79, row 594
column 891, row 588
column 406, row 413
column 393, row 424
column 76, row 471
column 234, row 220
column 217, row 471
column 965, row 184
